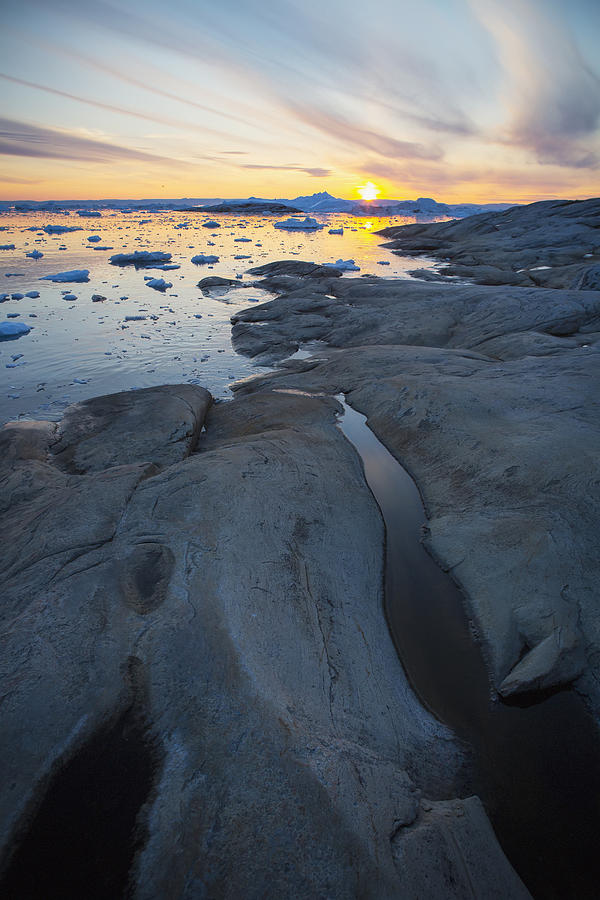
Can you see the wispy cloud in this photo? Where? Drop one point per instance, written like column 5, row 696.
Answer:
column 22, row 139
column 315, row 171
column 552, row 96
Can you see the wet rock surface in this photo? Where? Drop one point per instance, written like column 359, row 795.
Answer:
column 212, row 601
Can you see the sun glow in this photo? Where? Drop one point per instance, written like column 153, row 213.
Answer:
column 368, row 191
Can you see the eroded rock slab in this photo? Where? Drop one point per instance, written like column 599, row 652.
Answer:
column 218, row 600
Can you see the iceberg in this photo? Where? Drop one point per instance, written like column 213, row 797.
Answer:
column 139, row 258
column 306, row 224
column 202, row 260
column 73, row 275
column 344, row 265
column 61, row 229
column 13, row 330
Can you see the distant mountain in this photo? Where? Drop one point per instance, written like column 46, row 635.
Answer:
column 319, row 203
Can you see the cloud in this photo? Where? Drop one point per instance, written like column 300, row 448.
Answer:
column 552, row 96
column 22, row 139
column 315, row 171
column 335, row 125
column 111, row 107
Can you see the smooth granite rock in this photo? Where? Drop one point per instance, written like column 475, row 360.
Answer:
column 489, row 397
column 548, row 244
column 209, row 607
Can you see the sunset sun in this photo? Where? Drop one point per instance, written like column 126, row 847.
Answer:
column 369, row 191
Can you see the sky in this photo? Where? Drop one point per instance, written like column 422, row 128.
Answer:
column 460, row 100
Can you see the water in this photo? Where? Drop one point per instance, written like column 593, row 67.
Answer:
column 537, row 767
column 81, row 341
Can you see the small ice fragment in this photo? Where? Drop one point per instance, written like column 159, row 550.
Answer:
column 35, row 254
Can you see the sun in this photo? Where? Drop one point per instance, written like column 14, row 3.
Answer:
column 368, row 191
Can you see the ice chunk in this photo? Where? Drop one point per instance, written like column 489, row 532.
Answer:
column 202, row 260
column 69, row 296
column 242, row 240
column 94, row 238
column 159, row 284
column 140, row 258
column 35, row 254
column 17, row 296
column 32, row 294
column 61, row 229
column 306, row 224
column 13, row 329
column 211, row 224
column 383, row 262
column 89, row 213
column 336, row 231
column 344, row 265
column 73, row 275
column 7, row 246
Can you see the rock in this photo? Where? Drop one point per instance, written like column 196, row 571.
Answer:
column 588, row 279
column 215, row 281
column 120, row 429
column 474, row 391
column 452, row 847
column 294, row 267
column 540, row 244
column 190, row 588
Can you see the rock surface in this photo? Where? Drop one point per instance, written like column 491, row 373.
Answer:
column 554, row 243
column 489, row 397
column 187, row 582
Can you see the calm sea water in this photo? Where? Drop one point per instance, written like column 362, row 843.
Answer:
column 79, row 348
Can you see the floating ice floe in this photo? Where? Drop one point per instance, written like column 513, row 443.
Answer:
column 94, row 238
column 135, row 318
column 35, row 254
column 139, row 258
column 166, row 267
column 7, row 246
column 211, row 224
column 242, row 240
column 61, row 229
column 383, row 262
column 306, row 224
column 242, row 256
column 33, row 294
column 159, row 284
column 13, row 329
column 344, row 265
column 89, row 213
column 201, row 259
column 336, row 231
column 73, row 275
column 69, row 296
column 17, row 296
